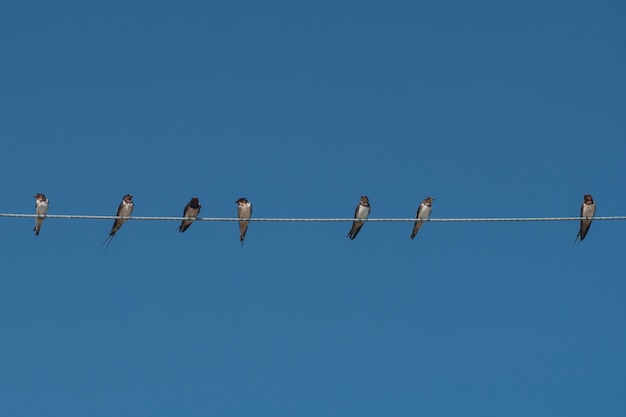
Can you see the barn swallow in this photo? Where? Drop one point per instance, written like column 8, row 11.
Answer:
column 41, row 208
column 124, row 210
column 423, row 213
column 361, row 212
column 588, row 209
column 244, row 211
column 192, row 209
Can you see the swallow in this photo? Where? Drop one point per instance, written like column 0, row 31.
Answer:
column 423, row 213
column 192, row 209
column 124, row 210
column 588, row 209
column 244, row 212
column 41, row 208
column 361, row 212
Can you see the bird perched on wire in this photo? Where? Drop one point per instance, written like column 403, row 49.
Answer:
column 361, row 212
column 244, row 212
column 124, row 211
column 41, row 208
column 192, row 209
column 423, row 213
column 588, row 209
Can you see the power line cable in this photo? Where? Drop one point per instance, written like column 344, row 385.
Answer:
column 317, row 220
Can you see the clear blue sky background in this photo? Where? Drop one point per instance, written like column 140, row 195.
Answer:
column 494, row 108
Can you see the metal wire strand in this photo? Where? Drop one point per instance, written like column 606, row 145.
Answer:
column 319, row 220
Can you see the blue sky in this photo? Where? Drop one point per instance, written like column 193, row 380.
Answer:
column 494, row 108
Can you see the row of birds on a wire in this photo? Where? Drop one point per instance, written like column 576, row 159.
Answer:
column 244, row 213
column 125, row 210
